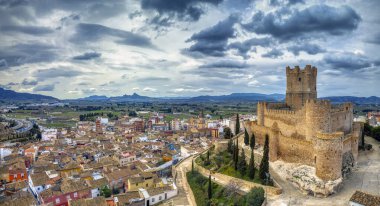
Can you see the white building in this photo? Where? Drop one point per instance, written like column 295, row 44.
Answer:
column 49, row 134
column 154, row 196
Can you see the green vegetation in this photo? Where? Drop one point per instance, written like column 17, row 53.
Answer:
column 106, row 192
column 252, row 142
column 222, row 162
column 203, row 188
column 264, row 165
column 227, row 133
column 255, row 197
column 246, row 137
column 237, row 125
column 251, row 166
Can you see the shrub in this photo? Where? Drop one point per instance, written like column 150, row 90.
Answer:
column 255, row 197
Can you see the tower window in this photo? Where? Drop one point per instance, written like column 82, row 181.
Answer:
column 299, row 79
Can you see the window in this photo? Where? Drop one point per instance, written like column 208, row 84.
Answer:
column 159, row 198
column 57, row 201
column 75, row 194
column 147, row 185
column 299, row 79
column 22, row 174
column 153, row 199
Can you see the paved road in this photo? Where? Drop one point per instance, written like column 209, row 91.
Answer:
column 184, row 196
column 365, row 177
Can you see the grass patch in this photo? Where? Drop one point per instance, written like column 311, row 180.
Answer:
column 199, row 186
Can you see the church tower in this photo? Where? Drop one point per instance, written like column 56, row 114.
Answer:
column 301, row 85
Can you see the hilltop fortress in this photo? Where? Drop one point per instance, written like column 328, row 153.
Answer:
column 307, row 130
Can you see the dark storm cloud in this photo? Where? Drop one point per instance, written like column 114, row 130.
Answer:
column 3, row 64
column 285, row 2
column 95, row 32
column 87, row 56
column 244, row 47
column 347, row 61
column 31, row 52
column 274, row 53
column 225, row 64
column 308, row 48
column 43, row 74
column 31, row 30
column 374, row 39
column 286, row 24
column 29, row 82
column 188, row 10
column 213, row 40
column 44, row 88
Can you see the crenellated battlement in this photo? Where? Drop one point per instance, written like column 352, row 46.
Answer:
column 297, row 70
column 280, row 111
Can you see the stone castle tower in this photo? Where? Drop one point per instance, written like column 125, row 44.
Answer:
column 301, row 85
column 307, row 130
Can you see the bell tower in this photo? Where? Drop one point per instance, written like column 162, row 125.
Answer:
column 301, row 85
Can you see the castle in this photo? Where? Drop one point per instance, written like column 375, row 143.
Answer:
column 307, row 130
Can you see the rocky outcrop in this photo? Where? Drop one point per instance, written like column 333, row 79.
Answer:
column 304, row 178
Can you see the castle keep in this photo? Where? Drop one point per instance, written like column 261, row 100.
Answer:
column 307, row 130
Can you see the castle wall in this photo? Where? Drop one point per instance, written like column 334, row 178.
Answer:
column 342, row 118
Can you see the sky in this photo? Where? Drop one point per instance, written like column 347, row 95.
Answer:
column 164, row 48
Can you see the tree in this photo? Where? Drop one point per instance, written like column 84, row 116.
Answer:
column 242, row 165
column 255, row 197
column 237, row 125
column 376, row 133
column 105, row 191
column 264, row 165
column 209, row 189
column 227, row 133
column 230, row 146
column 207, row 162
column 246, row 137
column 253, row 141
column 251, row 166
column 236, row 154
column 367, row 129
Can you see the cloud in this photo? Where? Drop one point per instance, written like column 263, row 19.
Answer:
column 189, row 10
column 308, row 48
column 286, row 24
column 94, row 32
column 149, row 79
column 285, row 2
column 87, row 56
column 149, row 89
column 274, row 53
column 44, row 88
column 43, row 74
column 347, row 61
column 213, row 40
column 225, row 64
column 3, row 64
column 244, row 47
column 31, row 30
column 29, row 82
column 30, row 52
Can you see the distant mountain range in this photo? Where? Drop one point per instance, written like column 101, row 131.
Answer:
column 12, row 96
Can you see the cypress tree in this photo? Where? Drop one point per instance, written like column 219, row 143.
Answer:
column 251, row 167
column 192, row 166
column 264, row 165
column 209, row 189
column 208, row 158
column 236, row 154
column 253, row 141
column 237, row 125
column 242, row 163
column 246, row 137
column 230, row 146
